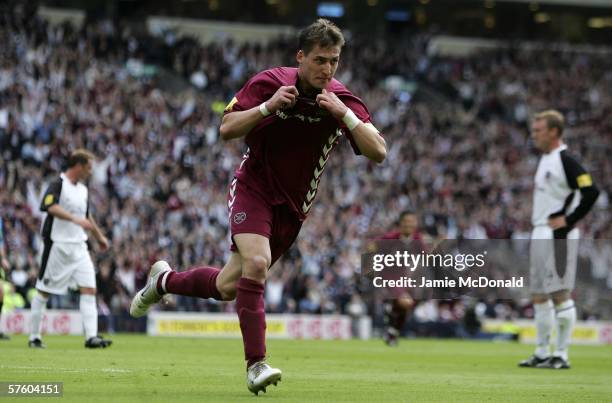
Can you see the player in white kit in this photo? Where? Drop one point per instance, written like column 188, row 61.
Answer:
column 563, row 193
column 65, row 258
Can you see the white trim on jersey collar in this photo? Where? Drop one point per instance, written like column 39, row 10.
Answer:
column 561, row 147
column 63, row 176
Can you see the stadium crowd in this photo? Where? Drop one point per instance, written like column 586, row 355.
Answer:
column 459, row 154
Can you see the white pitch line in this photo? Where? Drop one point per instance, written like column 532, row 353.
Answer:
column 81, row 370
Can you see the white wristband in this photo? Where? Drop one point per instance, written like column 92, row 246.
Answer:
column 264, row 111
column 350, row 119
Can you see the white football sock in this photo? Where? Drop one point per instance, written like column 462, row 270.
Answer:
column 544, row 318
column 566, row 319
column 38, row 307
column 89, row 312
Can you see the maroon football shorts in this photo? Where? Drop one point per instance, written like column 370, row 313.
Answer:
column 395, row 292
column 251, row 213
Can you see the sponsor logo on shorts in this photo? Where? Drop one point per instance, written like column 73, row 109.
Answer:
column 239, row 217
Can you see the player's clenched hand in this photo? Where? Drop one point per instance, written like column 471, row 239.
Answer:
column 557, row 222
column 333, row 104
column 283, row 98
column 104, row 243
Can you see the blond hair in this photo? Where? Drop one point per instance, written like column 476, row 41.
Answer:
column 80, row 156
column 554, row 119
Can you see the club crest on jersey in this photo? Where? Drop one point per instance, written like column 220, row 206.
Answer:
column 239, row 217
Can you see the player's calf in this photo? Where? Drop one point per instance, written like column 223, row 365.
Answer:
column 227, row 290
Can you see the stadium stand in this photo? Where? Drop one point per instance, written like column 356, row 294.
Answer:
column 459, row 153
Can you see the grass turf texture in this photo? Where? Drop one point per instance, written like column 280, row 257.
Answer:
column 146, row 369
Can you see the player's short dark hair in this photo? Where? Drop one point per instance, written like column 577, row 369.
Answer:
column 554, row 119
column 80, row 156
column 322, row 32
column 405, row 213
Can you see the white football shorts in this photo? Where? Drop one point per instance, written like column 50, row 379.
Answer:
column 63, row 265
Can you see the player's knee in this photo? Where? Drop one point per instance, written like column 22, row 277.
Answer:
column 88, row 291
column 44, row 295
column 560, row 296
column 256, row 266
column 539, row 298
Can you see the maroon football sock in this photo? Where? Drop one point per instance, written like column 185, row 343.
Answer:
column 197, row 282
column 252, row 317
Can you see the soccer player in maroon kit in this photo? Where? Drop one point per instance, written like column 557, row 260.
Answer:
column 398, row 307
column 292, row 118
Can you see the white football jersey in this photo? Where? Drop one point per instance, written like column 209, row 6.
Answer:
column 558, row 179
column 73, row 198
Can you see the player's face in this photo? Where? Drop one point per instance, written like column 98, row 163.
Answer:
column 408, row 224
column 86, row 170
column 318, row 67
column 542, row 136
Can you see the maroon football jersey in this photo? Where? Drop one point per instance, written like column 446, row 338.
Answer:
column 288, row 150
column 416, row 239
column 396, row 234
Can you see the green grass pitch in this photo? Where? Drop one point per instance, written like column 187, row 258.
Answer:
column 155, row 369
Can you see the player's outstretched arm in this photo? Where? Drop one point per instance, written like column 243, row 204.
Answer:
column 238, row 124
column 366, row 136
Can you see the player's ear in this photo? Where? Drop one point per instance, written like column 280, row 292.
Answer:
column 300, row 56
